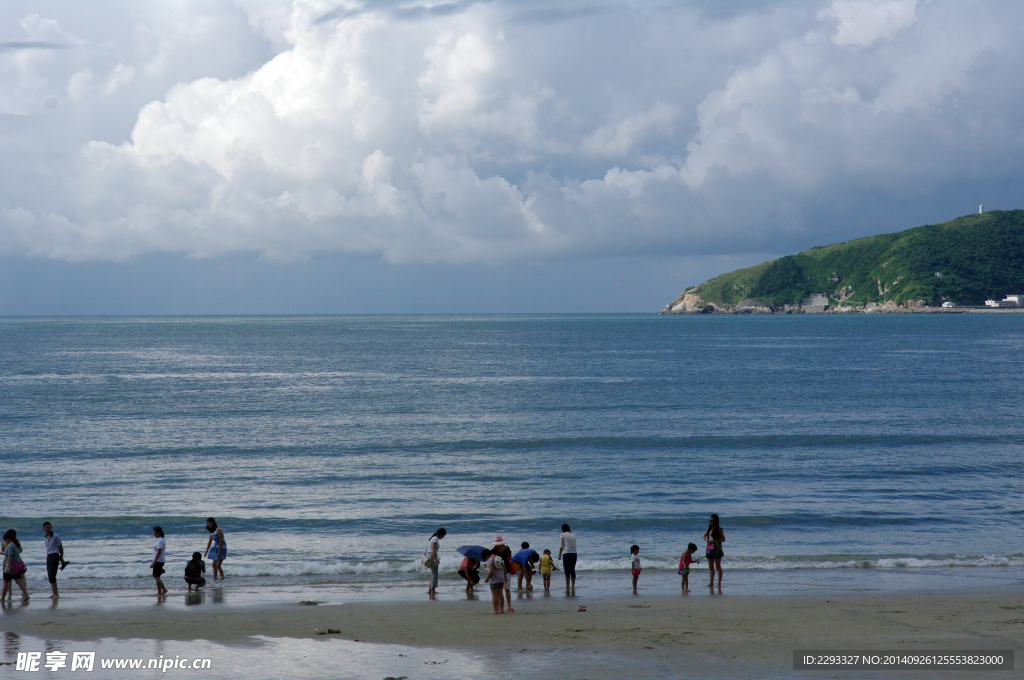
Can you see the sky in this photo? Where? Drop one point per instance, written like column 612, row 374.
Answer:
column 267, row 157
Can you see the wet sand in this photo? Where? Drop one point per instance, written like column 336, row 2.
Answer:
column 738, row 636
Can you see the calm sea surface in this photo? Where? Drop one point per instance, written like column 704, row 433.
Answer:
column 329, row 448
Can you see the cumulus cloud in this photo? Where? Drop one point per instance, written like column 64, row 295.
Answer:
column 79, row 84
column 621, row 137
column 861, row 23
column 482, row 133
column 120, row 75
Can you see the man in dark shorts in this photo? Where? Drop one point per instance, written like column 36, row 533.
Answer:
column 469, row 569
column 54, row 557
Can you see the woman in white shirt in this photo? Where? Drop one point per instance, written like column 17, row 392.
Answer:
column 567, row 553
column 159, row 556
column 433, row 560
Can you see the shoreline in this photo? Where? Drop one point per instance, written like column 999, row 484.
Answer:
column 901, row 579
column 739, row 635
column 400, row 621
column 847, row 311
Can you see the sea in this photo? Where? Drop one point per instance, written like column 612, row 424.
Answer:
column 841, row 452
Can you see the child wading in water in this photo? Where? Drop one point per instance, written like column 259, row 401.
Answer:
column 684, row 565
column 194, row 571
column 634, row 558
column 547, row 565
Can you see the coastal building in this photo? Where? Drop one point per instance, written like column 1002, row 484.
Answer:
column 1008, row 301
column 948, row 304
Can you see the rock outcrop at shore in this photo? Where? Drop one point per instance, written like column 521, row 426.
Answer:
column 689, row 302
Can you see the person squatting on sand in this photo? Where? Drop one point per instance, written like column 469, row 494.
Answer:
column 14, row 567
column 567, row 554
column 495, row 579
column 159, row 555
column 54, row 557
column 194, row 571
column 684, row 565
column 220, row 547
column 431, row 560
column 715, row 538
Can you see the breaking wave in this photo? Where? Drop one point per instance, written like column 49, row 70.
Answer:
column 397, row 568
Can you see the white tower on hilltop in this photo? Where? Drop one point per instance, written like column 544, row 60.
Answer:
column 979, row 208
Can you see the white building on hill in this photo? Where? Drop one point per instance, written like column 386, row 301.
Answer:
column 1008, row 301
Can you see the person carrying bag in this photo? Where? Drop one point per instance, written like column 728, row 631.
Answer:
column 430, row 560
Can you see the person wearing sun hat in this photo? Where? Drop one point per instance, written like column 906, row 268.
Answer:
column 506, row 557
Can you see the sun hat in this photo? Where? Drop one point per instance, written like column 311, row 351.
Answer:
column 498, row 540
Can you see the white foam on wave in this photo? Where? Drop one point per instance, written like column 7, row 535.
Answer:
column 142, row 569
column 394, row 567
column 777, row 562
column 37, row 573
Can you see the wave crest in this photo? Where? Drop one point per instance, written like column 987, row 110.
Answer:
column 396, row 567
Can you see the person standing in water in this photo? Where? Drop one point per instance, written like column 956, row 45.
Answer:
column 547, row 565
column 715, row 538
column 525, row 559
column 634, row 564
column 433, row 561
column 14, row 567
column 159, row 557
column 219, row 545
column 567, row 553
column 469, row 569
column 54, row 557
column 684, row 565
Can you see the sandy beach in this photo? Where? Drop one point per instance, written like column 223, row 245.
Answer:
column 749, row 636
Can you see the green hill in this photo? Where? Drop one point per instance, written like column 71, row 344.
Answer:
column 978, row 256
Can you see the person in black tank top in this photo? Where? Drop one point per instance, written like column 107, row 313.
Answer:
column 715, row 538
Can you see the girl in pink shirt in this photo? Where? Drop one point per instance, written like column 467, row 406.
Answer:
column 684, row 565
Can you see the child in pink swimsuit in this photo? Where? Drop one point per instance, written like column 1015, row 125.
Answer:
column 684, row 565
